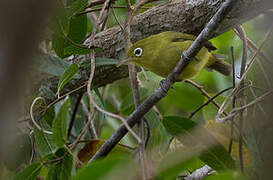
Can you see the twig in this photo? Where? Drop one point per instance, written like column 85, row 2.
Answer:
column 158, row 113
column 233, row 101
column 74, row 43
column 134, row 86
column 226, row 102
column 201, row 89
column 211, row 99
column 259, row 105
column 83, row 131
column 148, row 132
column 75, row 158
column 242, row 97
column 169, row 143
column 95, row 3
column 144, row 74
column 104, row 20
column 65, row 95
column 98, row 9
column 91, row 99
column 166, row 84
column 252, row 46
column 32, row 147
column 237, row 110
column 73, row 117
column 200, row 173
column 33, row 119
column 92, row 128
column 114, row 116
column 116, row 18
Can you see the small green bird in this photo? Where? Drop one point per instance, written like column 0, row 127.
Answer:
column 160, row 53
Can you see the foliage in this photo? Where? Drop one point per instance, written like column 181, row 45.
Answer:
column 175, row 145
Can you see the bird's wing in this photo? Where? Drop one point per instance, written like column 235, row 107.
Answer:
column 180, row 37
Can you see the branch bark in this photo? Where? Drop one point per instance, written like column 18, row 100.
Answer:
column 188, row 16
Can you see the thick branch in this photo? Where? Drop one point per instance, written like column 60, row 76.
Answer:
column 188, row 16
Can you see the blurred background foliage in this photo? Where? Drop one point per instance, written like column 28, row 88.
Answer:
column 117, row 98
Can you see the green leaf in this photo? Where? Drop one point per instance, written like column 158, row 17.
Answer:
column 78, row 28
column 77, row 32
column 192, row 135
column 99, row 169
column 51, row 174
column 51, row 64
column 62, row 168
column 175, row 163
column 71, row 49
column 59, row 23
column 44, row 142
column 127, row 105
column 159, row 137
column 47, row 93
column 77, row 7
column 58, row 44
column 184, row 96
column 30, row 172
column 225, row 175
column 67, row 76
column 59, row 126
column 49, row 115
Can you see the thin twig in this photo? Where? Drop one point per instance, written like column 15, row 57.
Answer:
column 32, row 147
column 259, row 105
column 144, row 74
column 211, row 99
column 65, row 95
column 233, row 101
column 158, row 113
column 74, row 43
column 252, row 46
column 226, row 103
column 83, row 131
column 203, row 92
column 32, row 116
column 91, row 99
column 73, row 117
column 134, row 86
column 98, row 9
column 242, row 97
column 75, row 158
column 95, row 3
column 116, row 18
column 240, row 109
column 148, row 132
column 92, row 128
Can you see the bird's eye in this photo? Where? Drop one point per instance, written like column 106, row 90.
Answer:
column 138, row 52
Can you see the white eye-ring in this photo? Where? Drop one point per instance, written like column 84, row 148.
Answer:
column 138, row 52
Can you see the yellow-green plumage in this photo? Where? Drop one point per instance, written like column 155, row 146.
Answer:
column 161, row 52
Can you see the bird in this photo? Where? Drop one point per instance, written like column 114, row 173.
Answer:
column 160, row 53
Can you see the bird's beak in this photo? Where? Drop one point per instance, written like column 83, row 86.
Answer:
column 122, row 62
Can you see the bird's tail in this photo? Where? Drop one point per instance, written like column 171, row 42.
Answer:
column 220, row 65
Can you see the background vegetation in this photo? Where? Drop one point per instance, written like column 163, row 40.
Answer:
column 59, row 131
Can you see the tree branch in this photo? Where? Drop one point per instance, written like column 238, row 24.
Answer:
column 188, row 16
